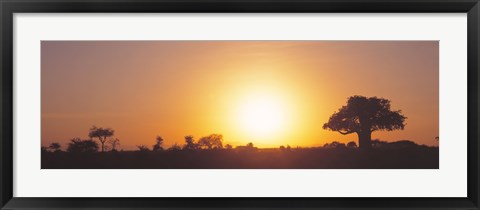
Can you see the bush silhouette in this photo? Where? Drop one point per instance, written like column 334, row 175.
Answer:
column 402, row 144
column 143, row 148
column 175, row 147
column 248, row 147
column 352, row 145
column 334, row 145
column 378, row 144
column 77, row 145
column 55, row 147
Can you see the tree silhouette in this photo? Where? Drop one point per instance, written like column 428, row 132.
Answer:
column 190, row 143
column 363, row 116
column 55, row 147
column 114, row 143
column 213, row 141
column 228, row 146
column 77, row 145
column 102, row 134
column 158, row 144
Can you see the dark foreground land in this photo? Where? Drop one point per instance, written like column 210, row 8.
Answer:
column 418, row 157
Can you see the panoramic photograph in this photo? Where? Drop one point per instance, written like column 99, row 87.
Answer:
column 239, row 105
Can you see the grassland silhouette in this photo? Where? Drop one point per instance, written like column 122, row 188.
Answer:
column 362, row 115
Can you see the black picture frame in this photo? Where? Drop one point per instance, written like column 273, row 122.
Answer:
column 9, row 7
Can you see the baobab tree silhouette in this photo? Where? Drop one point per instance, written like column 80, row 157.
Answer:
column 363, row 116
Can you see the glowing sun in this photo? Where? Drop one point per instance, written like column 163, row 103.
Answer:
column 262, row 116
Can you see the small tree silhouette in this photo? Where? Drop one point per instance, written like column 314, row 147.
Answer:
column 114, row 143
column 55, row 147
column 190, row 143
column 158, row 144
column 363, row 116
column 77, row 145
column 102, row 134
column 213, row 141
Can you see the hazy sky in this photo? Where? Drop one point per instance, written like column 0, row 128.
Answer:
column 270, row 93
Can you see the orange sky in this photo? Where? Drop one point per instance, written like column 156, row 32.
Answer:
column 142, row 89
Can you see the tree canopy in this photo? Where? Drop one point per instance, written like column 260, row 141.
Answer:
column 190, row 143
column 213, row 141
column 102, row 134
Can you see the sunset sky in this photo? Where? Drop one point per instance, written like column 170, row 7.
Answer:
column 270, row 93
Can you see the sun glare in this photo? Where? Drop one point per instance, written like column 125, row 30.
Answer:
column 262, row 117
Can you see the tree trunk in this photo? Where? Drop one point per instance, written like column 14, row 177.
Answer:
column 103, row 144
column 365, row 140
